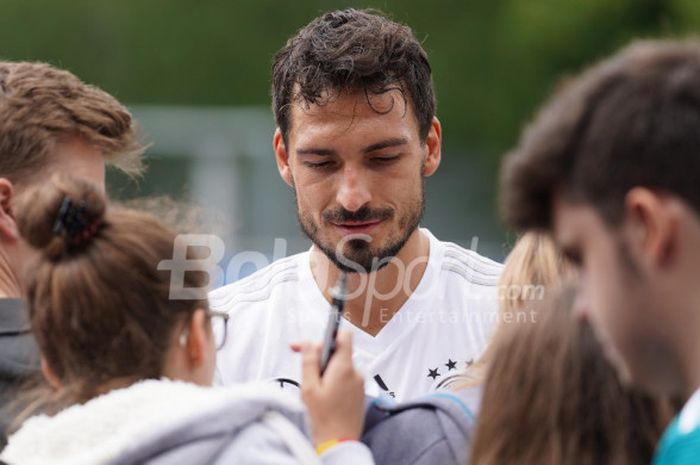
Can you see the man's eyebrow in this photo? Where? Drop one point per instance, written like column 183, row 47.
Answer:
column 394, row 142
column 316, row 151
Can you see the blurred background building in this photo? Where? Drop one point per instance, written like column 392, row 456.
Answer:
column 196, row 75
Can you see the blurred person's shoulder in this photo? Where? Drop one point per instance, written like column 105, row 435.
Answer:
column 466, row 265
column 19, row 354
column 278, row 278
column 19, row 357
column 680, row 444
column 433, row 428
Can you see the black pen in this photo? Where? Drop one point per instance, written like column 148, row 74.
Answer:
column 338, row 297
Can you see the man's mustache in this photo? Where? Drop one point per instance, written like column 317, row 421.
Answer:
column 364, row 214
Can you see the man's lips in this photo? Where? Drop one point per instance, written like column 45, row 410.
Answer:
column 357, row 227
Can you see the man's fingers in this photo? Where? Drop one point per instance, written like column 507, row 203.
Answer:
column 343, row 348
column 340, row 364
column 310, row 365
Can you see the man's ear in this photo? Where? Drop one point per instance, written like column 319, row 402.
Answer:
column 282, row 157
column 654, row 224
column 8, row 224
column 199, row 336
column 433, row 143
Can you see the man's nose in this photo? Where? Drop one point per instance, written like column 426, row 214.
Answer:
column 353, row 191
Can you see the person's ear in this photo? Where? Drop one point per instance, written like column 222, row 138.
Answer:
column 282, row 157
column 198, row 340
column 8, row 225
column 49, row 374
column 654, row 223
column 433, row 144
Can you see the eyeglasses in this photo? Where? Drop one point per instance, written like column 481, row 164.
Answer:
column 219, row 326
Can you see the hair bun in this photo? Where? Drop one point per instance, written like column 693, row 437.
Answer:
column 62, row 216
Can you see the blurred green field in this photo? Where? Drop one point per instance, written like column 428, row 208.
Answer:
column 493, row 62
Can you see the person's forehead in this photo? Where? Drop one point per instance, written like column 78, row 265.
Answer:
column 76, row 157
column 339, row 115
column 572, row 221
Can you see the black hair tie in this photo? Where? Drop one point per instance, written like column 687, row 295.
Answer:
column 73, row 222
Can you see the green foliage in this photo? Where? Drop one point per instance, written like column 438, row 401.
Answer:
column 493, row 60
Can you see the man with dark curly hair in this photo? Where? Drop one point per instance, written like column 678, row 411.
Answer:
column 356, row 137
column 609, row 168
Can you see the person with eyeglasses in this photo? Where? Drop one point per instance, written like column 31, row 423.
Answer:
column 130, row 369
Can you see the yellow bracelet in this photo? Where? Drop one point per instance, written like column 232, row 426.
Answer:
column 323, row 447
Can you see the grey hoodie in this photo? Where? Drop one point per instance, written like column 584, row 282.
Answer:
column 19, row 356
column 161, row 422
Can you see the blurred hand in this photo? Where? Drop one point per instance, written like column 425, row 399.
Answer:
column 335, row 402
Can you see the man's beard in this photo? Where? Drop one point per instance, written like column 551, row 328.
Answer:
column 358, row 256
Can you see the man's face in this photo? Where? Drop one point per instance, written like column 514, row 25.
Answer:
column 77, row 158
column 615, row 295
column 357, row 172
column 73, row 157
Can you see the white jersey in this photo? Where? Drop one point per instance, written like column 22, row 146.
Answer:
column 441, row 329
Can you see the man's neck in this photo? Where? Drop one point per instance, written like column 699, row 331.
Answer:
column 376, row 297
column 9, row 284
column 689, row 356
column 680, row 301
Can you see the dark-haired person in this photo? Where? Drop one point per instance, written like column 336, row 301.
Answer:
column 130, row 368
column 610, row 167
column 356, row 139
column 50, row 122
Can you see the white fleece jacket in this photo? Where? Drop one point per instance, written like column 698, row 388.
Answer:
column 167, row 422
